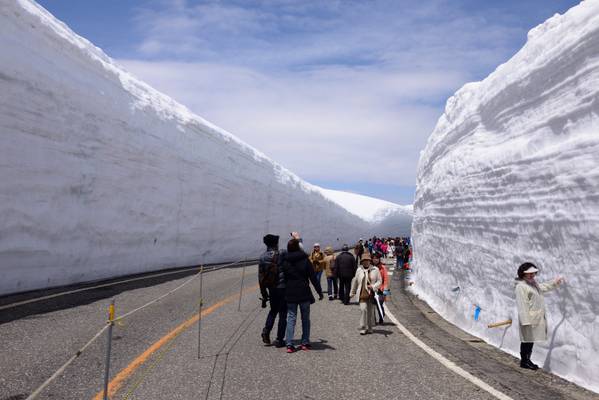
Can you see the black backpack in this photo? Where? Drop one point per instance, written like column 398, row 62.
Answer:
column 269, row 274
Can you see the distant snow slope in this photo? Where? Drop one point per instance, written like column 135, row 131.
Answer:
column 385, row 216
column 104, row 176
column 511, row 174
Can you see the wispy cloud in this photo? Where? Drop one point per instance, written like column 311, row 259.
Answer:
column 334, row 90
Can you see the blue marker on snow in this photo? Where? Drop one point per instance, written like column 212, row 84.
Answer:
column 476, row 313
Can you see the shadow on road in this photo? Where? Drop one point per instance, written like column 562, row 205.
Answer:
column 321, row 344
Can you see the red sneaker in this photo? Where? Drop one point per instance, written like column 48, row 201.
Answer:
column 291, row 349
column 306, row 346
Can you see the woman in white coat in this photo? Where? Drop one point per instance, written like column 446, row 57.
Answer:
column 363, row 286
column 531, row 310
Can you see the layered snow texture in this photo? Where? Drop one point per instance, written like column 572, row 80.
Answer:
column 104, row 176
column 511, row 174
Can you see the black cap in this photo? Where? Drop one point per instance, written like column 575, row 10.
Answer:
column 271, row 240
column 345, row 247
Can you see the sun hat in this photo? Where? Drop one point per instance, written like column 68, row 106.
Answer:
column 365, row 256
column 531, row 270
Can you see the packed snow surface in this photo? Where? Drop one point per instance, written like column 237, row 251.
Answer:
column 511, row 174
column 376, row 211
column 104, row 176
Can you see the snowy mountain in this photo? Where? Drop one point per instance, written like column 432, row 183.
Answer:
column 511, row 174
column 103, row 176
column 386, row 217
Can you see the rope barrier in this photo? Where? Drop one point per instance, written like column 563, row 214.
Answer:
column 121, row 317
column 112, row 321
column 65, row 365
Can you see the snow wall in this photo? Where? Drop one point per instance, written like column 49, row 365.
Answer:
column 511, row 174
column 104, row 176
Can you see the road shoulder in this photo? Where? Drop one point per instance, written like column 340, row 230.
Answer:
column 493, row 366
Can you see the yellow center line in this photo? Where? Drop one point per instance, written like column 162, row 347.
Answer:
column 117, row 382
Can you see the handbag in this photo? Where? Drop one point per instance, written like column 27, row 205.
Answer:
column 371, row 297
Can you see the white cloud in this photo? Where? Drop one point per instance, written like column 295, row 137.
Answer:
column 331, row 124
column 335, row 90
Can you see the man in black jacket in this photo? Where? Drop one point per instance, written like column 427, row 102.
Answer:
column 272, row 288
column 346, row 270
column 298, row 272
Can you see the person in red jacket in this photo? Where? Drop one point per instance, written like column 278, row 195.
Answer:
column 383, row 290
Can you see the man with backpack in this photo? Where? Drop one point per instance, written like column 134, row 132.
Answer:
column 272, row 288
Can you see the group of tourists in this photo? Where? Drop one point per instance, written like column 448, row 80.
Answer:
column 398, row 248
column 285, row 278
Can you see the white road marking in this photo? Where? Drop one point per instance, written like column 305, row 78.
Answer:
column 447, row 363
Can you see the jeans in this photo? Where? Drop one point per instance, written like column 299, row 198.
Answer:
column 292, row 317
column 344, row 289
column 318, row 276
column 332, row 288
column 278, row 306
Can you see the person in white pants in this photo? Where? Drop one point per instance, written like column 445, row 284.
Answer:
column 364, row 285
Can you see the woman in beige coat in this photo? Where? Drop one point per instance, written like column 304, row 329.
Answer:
column 363, row 286
column 531, row 310
column 331, row 272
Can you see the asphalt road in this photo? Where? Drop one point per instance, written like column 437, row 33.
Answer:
column 234, row 364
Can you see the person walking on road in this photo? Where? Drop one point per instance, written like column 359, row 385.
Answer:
column 317, row 260
column 346, row 269
column 531, row 310
column 298, row 272
column 364, row 285
column 406, row 256
column 272, row 288
column 358, row 251
column 330, row 270
column 383, row 290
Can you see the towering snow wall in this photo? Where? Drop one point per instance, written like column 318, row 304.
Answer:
column 102, row 176
column 511, row 174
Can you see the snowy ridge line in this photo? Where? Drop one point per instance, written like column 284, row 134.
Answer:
column 104, row 176
column 511, row 174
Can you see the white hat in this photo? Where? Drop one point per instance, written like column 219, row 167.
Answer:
column 316, row 244
column 531, row 270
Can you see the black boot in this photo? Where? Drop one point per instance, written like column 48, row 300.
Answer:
column 526, row 363
column 533, row 365
column 265, row 336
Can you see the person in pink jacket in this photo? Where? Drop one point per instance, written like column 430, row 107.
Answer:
column 383, row 290
column 384, row 247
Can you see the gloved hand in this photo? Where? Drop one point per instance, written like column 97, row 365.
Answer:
column 264, row 301
column 320, row 296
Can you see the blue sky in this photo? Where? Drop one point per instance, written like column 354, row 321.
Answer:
column 343, row 92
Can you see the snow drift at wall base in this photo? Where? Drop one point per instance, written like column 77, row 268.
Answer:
column 511, row 174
